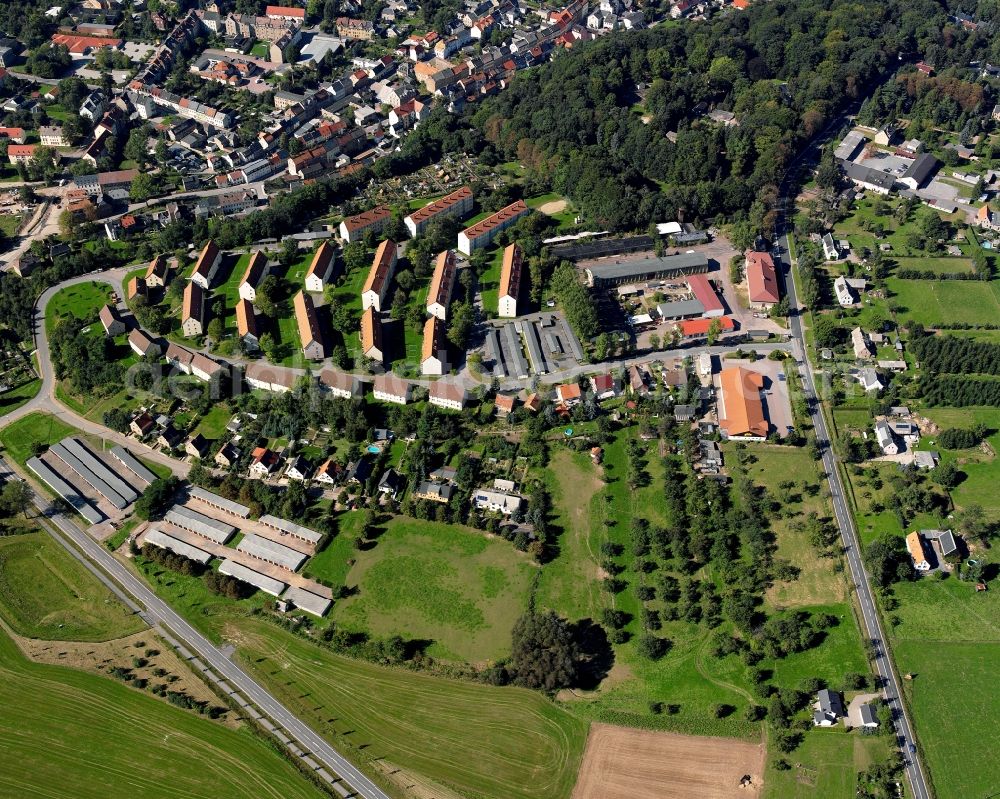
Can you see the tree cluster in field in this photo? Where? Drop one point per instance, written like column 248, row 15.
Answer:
column 962, row 438
column 544, row 654
column 953, row 355
column 87, row 361
column 15, row 498
column 156, row 498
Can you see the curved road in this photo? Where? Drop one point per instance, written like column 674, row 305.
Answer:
column 871, row 621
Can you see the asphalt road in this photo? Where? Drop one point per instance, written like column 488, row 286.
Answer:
column 871, row 621
column 158, row 612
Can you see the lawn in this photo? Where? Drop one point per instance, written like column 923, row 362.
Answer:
column 46, row 593
column 570, row 582
column 213, row 424
column 19, row 437
column 825, row 766
column 489, row 284
column 476, row 740
column 69, row 730
column 443, row 583
column 82, row 301
column 16, row 397
column 953, row 699
column 9, row 224
column 933, row 302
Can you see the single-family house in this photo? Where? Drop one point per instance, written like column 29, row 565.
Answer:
column 568, row 394
column 886, row 440
column 829, row 708
column 196, row 446
column 264, row 462
column 391, row 483
column 227, row 456
column 142, row 425
column 918, row 555
column 299, row 468
column 604, row 386
column 863, row 349
column 869, row 380
column 113, row 325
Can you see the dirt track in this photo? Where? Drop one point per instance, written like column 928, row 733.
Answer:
column 622, row 763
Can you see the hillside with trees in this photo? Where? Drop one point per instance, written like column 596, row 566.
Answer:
column 595, row 121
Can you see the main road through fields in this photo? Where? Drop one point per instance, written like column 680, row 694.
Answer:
column 159, row 612
column 871, row 620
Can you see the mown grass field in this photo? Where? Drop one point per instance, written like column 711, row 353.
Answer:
column 443, row 583
column 982, row 471
column 68, row 732
column 476, row 740
column 16, row 397
column 954, row 701
column 489, row 284
column 45, row 593
column 82, row 301
column 946, row 301
column 19, row 437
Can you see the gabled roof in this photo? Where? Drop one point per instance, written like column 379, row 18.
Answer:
column 305, row 318
column 510, row 271
column 446, row 390
column 433, row 342
column 742, row 412
column 762, row 280
column 206, row 259
column 322, row 258
column 379, row 272
column 255, row 269
column 246, row 320
column 443, row 279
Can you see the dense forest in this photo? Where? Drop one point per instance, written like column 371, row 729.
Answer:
column 595, row 121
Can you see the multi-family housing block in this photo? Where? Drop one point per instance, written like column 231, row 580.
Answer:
column 510, row 281
column 458, row 203
column 482, row 233
column 383, row 267
column 442, row 285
